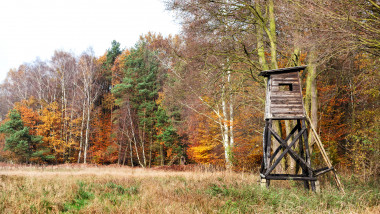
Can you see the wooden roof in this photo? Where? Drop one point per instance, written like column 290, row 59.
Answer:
column 282, row 70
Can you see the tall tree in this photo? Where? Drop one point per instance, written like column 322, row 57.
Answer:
column 88, row 69
column 18, row 139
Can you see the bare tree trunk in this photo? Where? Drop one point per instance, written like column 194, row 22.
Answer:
column 150, row 157
column 71, row 123
column 260, row 42
column 292, row 163
column 131, row 153
column 143, row 151
column 87, row 130
column 119, row 157
column 150, row 149
column 63, row 103
column 231, row 111
column 138, row 156
column 81, row 130
column 134, row 136
column 225, row 130
column 142, row 139
column 162, row 154
column 125, row 155
column 272, row 36
column 87, row 67
column 311, row 102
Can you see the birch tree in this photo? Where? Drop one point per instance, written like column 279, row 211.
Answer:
column 88, row 70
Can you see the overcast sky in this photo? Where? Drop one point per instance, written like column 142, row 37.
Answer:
column 35, row 28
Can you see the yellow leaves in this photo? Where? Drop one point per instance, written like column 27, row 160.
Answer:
column 51, row 118
column 204, row 142
column 108, row 101
column 118, row 67
column 47, row 122
column 50, row 127
column 203, row 153
column 102, row 59
column 123, row 56
column 161, row 97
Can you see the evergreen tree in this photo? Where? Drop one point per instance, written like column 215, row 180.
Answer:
column 168, row 134
column 140, row 87
column 113, row 52
column 19, row 141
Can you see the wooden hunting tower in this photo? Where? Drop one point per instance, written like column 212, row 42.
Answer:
column 283, row 96
column 284, row 102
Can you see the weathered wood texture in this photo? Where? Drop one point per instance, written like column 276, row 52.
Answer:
column 284, row 102
column 282, row 70
column 284, row 97
column 271, row 159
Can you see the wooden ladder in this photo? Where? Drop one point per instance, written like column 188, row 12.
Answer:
column 324, row 154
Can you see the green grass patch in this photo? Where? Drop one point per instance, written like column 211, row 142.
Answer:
column 110, row 194
column 247, row 198
column 82, row 198
column 116, row 195
column 121, row 190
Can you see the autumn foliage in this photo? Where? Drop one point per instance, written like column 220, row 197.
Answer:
column 197, row 97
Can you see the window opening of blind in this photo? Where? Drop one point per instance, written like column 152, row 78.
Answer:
column 285, row 87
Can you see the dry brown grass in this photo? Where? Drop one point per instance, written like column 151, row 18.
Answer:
column 91, row 189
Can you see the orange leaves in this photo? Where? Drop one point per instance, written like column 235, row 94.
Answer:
column 102, row 59
column 204, row 142
column 203, row 153
column 118, row 66
column 103, row 149
column 28, row 116
column 48, row 122
column 50, row 129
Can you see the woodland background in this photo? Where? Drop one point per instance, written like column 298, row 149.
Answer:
column 196, row 97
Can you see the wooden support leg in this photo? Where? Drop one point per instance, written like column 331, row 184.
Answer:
column 302, row 154
column 287, row 150
column 310, row 171
column 264, row 183
column 312, row 184
column 265, row 163
column 317, row 187
column 268, row 147
column 262, row 168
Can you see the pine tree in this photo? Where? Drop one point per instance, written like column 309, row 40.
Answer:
column 18, row 139
column 140, row 91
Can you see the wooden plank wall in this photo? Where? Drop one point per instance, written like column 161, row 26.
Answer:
column 285, row 97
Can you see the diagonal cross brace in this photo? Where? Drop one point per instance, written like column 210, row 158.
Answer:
column 288, row 149
column 292, row 153
column 286, row 140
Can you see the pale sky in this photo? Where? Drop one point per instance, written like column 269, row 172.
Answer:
column 35, row 28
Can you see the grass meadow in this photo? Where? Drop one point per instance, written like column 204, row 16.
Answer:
column 113, row 189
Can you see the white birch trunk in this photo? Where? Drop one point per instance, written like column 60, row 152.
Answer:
column 87, row 131
column 81, row 131
column 231, row 110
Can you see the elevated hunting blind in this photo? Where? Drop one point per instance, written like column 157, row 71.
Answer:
column 284, row 102
column 283, row 95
